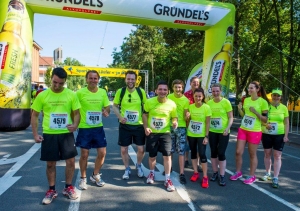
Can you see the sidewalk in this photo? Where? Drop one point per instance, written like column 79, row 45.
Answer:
column 294, row 139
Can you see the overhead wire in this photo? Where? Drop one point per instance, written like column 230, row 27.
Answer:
column 101, row 47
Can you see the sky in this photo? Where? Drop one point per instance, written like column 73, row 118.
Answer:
column 80, row 39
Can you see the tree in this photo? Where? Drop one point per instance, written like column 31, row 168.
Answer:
column 48, row 76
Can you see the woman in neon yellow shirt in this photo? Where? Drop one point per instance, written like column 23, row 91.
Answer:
column 275, row 134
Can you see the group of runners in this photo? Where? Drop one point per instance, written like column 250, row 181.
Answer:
column 168, row 123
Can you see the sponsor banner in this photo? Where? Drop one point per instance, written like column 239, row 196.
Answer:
column 196, row 71
column 103, row 72
column 199, row 14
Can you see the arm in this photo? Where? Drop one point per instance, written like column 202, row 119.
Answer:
column 106, row 111
column 34, row 126
column 286, row 129
column 174, row 122
column 230, row 121
column 207, row 124
column 145, row 124
column 117, row 112
column 240, row 109
column 76, row 120
column 263, row 117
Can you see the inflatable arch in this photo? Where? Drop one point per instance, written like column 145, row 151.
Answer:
column 17, row 16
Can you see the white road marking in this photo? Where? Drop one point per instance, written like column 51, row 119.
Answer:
column 74, row 204
column 8, row 178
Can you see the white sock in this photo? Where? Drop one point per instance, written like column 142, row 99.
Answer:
column 167, row 176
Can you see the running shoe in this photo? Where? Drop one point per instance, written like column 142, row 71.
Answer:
column 236, row 176
column 97, row 179
column 249, row 180
column 50, row 195
column 205, row 182
column 82, row 184
column 214, row 177
column 169, row 185
column 275, row 183
column 266, row 177
column 150, row 178
column 194, row 177
column 182, row 179
column 222, row 181
column 70, row 192
column 139, row 171
column 186, row 164
column 127, row 173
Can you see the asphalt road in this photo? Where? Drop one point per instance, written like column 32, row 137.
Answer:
column 23, row 181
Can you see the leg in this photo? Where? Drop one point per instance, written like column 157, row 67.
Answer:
column 181, row 163
column 277, row 162
column 240, row 146
column 101, row 152
column 83, row 161
column 125, row 156
column 51, row 172
column 267, row 160
column 152, row 163
column 252, row 148
column 70, row 168
column 140, row 154
column 167, row 164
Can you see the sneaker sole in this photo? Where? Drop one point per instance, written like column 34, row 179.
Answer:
column 44, row 203
column 250, row 183
column 234, row 179
column 82, row 188
column 95, row 182
column 67, row 195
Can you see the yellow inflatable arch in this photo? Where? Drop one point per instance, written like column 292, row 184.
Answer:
column 17, row 16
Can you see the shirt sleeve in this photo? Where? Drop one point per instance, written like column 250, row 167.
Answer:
column 117, row 97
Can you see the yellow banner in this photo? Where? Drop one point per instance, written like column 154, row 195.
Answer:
column 103, row 72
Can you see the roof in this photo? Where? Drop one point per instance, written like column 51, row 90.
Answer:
column 45, row 61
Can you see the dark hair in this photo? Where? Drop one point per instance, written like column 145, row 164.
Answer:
column 178, row 81
column 41, row 86
column 36, row 86
column 131, row 72
column 261, row 91
column 216, row 85
column 59, row 72
column 202, row 91
column 162, row 82
column 192, row 78
column 91, row 71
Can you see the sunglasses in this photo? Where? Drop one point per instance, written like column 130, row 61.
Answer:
column 129, row 100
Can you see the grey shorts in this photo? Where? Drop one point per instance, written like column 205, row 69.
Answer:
column 178, row 137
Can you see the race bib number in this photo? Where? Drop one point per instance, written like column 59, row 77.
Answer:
column 195, row 127
column 58, row 121
column 248, row 122
column 93, row 117
column 132, row 116
column 158, row 123
column 216, row 123
column 274, row 128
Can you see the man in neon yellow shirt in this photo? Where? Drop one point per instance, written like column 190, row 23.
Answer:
column 94, row 104
column 130, row 117
column 57, row 140
column 159, row 115
column 179, row 135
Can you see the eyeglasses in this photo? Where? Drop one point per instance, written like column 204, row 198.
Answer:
column 129, row 100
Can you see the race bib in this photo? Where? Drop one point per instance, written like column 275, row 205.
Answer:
column 132, row 116
column 58, row 121
column 195, row 127
column 158, row 123
column 248, row 122
column 216, row 123
column 274, row 128
column 93, row 117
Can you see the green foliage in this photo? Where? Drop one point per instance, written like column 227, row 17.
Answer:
column 48, row 77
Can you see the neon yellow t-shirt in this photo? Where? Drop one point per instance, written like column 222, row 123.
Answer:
column 160, row 114
column 276, row 119
column 219, row 117
column 57, row 108
column 91, row 107
column 250, row 122
column 131, row 106
column 182, row 104
column 197, row 125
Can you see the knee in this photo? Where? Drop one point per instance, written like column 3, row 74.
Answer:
column 203, row 158
column 70, row 162
column 238, row 153
column 141, row 150
column 51, row 165
column 277, row 156
column 222, row 157
column 124, row 150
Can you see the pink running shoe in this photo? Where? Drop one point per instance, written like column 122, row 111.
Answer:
column 236, row 176
column 249, row 180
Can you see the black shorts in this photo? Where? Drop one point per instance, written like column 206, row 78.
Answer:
column 159, row 142
column 129, row 134
column 57, row 147
column 273, row 141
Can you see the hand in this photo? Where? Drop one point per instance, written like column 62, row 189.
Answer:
column 225, row 133
column 205, row 141
column 71, row 127
column 252, row 109
column 38, row 139
column 187, row 115
column 123, row 120
column 148, row 131
column 105, row 113
column 269, row 126
column 285, row 139
column 175, row 125
column 240, row 106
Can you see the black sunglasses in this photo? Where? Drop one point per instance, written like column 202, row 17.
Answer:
column 129, row 100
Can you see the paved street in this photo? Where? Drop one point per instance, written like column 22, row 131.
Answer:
column 23, row 181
